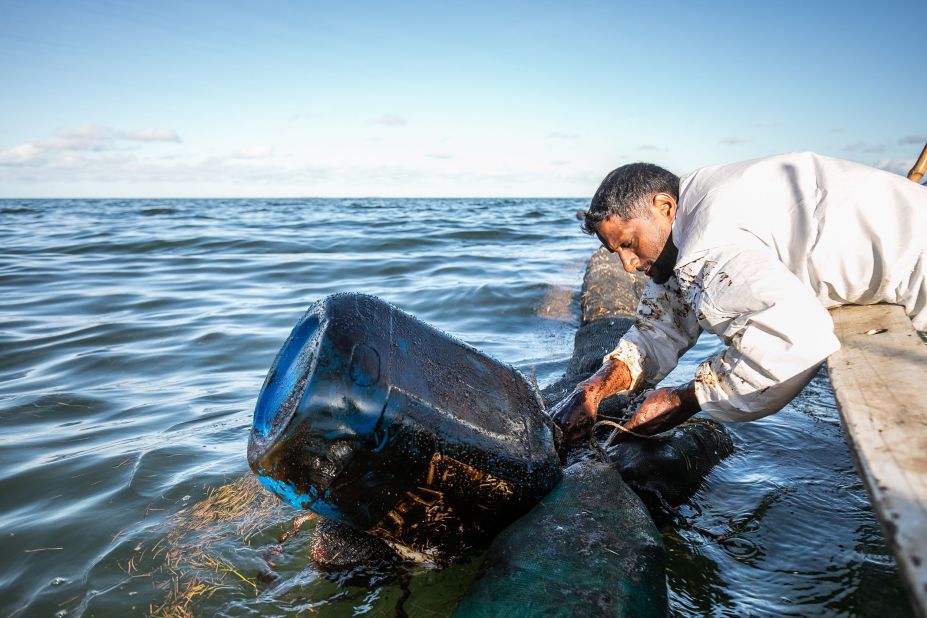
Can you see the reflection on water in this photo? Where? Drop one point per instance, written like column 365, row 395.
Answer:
column 136, row 335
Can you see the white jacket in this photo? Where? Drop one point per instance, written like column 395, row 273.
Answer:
column 765, row 246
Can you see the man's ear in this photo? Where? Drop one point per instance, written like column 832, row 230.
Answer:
column 664, row 204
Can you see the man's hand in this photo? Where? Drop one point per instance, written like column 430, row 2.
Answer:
column 664, row 409
column 575, row 413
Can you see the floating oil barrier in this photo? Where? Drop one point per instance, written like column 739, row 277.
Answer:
column 374, row 419
column 588, row 549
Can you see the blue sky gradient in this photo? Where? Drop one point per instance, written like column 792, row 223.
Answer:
column 125, row 99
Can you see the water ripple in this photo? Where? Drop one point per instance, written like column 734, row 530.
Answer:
column 136, row 335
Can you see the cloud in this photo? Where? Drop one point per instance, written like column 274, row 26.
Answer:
column 733, row 140
column 254, row 151
column 134, row 167
column 864, row 148
column 149, row 135
column 559, row 135
column 89, row 151
column 99, row 137
column 139, row 172
column 105, row 160
column 92, row 137
column 88, row 138
column 913, row 139
column 298, row 116
column 388, row 120
column 896, row 166
column 22, row 154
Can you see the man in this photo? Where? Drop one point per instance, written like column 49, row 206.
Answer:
column 753, row 252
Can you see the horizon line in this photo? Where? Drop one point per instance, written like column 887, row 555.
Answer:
column 318, row 197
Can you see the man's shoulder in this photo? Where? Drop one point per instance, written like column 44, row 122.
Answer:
column 744, row 174
column 790, row 168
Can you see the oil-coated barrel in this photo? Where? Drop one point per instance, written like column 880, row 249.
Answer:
column 373, row 418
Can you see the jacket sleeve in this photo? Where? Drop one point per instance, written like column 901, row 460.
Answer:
column 777, row 334
column 665, row 328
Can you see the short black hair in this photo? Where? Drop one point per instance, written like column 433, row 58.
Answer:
column 625, row 190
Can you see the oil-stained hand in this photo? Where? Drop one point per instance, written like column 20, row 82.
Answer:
column 575, row 415
column 663, row 409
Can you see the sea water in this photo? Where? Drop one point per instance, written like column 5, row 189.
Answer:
column 135, row 335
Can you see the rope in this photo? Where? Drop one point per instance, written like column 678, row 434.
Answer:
column 618, row 427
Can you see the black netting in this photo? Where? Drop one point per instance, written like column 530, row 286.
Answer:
column 589, row 548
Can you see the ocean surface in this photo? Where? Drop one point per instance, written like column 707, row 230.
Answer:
column 136, row 334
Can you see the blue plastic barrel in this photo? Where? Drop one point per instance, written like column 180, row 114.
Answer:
column 373, row 418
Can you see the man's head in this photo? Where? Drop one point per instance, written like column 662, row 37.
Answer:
column 632, row 214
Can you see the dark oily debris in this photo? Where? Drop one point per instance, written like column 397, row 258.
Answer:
column 668, row 468
column 588, row 548
column 609, row 291
column 337, row 547
column 375, row 419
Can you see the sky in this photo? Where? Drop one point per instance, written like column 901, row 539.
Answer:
column 441, row 99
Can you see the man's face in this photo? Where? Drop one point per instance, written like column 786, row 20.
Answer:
column 644, row 243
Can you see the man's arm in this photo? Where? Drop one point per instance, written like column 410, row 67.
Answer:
column 576, row 413
column 664, row 409
column 665, row 328
column 777, row 334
